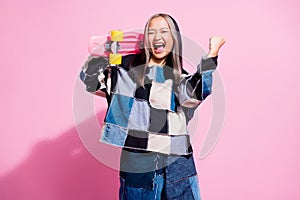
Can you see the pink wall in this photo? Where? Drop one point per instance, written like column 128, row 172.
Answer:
column 43, row 45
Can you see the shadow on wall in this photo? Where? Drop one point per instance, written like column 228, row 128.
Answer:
column 60, row 169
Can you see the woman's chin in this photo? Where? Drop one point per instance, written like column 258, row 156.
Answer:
column 159, row 56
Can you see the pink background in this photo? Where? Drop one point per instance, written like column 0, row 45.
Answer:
column 44, row 44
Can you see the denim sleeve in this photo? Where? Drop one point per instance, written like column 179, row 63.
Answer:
column 194, row 88
column 92, row 71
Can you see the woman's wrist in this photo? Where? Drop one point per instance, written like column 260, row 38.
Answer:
column 212, row 54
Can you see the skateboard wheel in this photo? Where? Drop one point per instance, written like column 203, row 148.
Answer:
column 115, row 59
column 116, row 35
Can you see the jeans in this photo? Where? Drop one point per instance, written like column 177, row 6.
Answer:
column 131, row 193
column 186, row 189
column 175, row 178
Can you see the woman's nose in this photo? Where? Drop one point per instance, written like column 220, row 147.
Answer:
column 157, row 36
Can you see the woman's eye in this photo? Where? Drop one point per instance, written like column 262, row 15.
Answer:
column 151, row 32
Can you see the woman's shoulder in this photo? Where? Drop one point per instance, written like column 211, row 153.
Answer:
column 126, row 61
column 133, row 60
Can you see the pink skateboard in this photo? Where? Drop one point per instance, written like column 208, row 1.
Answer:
column 116, row 45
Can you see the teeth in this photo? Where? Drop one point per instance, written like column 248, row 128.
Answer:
column 157, row 45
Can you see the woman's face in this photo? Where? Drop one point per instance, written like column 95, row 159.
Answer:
column 160, row 38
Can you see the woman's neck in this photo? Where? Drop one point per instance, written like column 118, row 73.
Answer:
column 157, row 62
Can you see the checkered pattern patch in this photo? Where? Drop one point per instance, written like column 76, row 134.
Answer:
column 149, row 141
column 153, row 117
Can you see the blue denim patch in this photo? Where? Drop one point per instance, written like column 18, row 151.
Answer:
column 178, row 180
column 206, row 83
column 180, row 190
column 173, row 106
column 131, row 193
column 160, row 78
column 82, row 75
column 139, row 118
column 119, row 110
column 180, row 167
column 195, row 187
column 114, row 135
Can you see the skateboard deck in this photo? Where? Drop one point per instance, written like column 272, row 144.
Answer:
column 115, row 45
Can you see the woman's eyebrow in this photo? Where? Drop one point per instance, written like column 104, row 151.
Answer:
column 153, row 29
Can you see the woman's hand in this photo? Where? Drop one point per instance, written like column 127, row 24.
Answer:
column 215, row 43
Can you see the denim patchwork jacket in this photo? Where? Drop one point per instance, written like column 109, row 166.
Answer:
column 154, row 117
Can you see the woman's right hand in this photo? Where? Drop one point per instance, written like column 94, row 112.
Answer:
column 215, row 43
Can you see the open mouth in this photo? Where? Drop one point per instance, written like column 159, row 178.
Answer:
column 158, row 47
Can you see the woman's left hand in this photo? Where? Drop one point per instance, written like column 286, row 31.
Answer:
column 215, row 43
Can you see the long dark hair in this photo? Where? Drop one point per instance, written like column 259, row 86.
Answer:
column 140, row 62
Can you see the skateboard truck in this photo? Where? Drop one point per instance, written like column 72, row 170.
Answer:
column 115, row 58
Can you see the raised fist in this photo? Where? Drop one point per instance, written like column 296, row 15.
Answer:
column 215, row 43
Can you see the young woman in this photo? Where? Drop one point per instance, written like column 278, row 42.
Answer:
column 151, row 99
